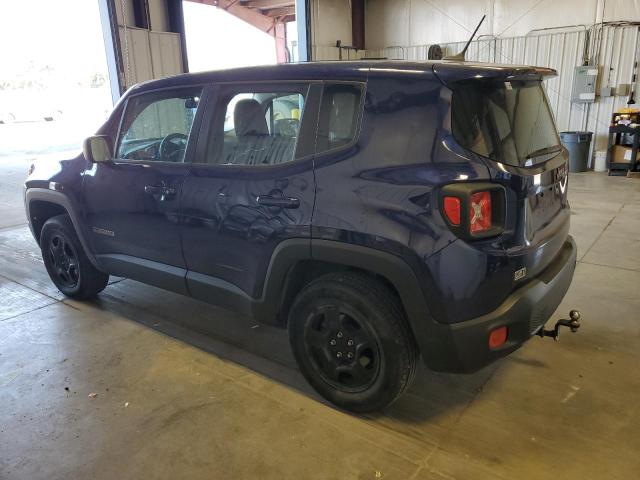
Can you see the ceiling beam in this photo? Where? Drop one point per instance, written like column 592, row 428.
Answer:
column 253, row 17
column 268, row 3
column 279, row 12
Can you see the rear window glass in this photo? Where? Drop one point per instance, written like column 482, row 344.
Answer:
column 509, row 122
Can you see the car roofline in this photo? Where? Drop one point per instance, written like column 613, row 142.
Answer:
column 357, row 70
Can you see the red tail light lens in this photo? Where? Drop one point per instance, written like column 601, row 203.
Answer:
column 452, row 209
column 498, row 337
column 474, row 210
column 479, row 212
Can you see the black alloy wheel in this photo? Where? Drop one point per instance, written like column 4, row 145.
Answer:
column 343, row 349
column 352, row 342
column 64, row 260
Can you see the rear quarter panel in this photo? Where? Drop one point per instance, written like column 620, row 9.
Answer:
column 380, row 192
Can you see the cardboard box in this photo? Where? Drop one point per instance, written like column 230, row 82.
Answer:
column 622, row 154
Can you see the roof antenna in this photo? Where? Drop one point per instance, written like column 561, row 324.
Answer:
column 460, row 56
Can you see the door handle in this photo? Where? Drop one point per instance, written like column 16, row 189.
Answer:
column 281, row 202
column 162, row 191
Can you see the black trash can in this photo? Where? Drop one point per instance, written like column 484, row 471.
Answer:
column 578, row 144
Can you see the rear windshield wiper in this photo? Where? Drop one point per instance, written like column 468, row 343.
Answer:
column 544, row 151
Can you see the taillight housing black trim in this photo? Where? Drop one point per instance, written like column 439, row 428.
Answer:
column 463, row 192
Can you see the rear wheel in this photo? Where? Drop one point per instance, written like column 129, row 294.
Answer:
column 352, row 342
column 65, row 260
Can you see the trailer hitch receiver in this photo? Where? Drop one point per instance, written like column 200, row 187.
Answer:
column 573, row 323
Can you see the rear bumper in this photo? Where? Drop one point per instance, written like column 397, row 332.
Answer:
column 464, row 347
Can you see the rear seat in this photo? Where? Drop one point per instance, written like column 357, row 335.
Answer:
column 255, row 146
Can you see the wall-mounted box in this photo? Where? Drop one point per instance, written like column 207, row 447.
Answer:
column 584, row 84
column 606, row 91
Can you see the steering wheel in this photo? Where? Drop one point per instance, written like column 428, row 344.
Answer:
column 172, row 146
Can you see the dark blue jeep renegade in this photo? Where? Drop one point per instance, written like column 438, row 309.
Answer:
column 381, row 211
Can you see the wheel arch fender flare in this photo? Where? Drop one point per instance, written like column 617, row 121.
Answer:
column 391, row 267
column 60, row 199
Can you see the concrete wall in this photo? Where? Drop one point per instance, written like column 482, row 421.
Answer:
column 419, row 22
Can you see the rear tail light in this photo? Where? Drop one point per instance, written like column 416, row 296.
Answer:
column 498, row 337
column 452, row 209
column 480, row 212
column 474, row 210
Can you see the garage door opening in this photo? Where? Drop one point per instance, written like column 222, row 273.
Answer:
column 54, row 89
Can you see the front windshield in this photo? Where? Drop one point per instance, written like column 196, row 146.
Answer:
column 509, row 122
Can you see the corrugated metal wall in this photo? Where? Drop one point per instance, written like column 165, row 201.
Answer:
column 563, row 52
column 148, row 54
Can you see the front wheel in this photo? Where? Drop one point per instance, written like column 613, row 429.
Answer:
column 352, row 342
column 65, row 260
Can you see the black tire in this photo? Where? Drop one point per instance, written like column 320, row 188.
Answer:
column 352, row 341
column 66, row 262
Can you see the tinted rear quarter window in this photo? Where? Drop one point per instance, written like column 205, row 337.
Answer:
column 339, row 114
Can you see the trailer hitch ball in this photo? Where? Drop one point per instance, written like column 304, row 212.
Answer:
column 574, row 315
column 573, row 324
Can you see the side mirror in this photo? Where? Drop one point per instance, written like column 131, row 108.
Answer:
column 97, row 148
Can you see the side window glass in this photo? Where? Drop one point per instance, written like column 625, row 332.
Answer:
column 339, row 114
column 156, row 126
column 255, row 128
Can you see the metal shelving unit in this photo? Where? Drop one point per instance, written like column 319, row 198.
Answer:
column 615, row 138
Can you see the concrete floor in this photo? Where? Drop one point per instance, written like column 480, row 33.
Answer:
column 184, row 390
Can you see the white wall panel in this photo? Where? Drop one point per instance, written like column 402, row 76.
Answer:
column 158, row 15
column 323, row 52
column 136, row 55
column 166, row 55
column 331, row 21
column 148, row 55
column 416, row 22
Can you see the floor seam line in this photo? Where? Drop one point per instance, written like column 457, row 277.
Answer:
column 30, row 288
column 603, row 230
column 30, row 311
column 611, row 266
